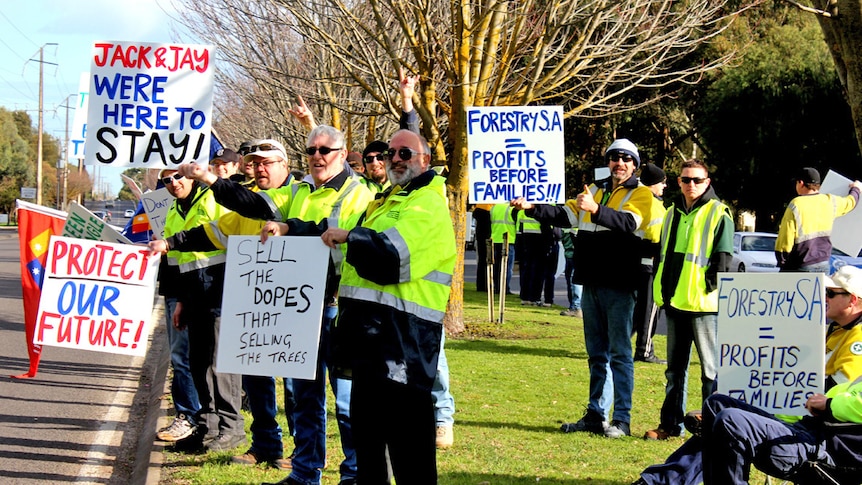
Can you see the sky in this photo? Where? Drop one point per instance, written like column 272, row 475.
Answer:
column 74, row 25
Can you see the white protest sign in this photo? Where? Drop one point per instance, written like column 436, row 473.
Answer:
column 516, row 151
column 846, row 235
column 83, row 224
column 97, row 296
column 79, row 121
column 772, row 339
column 156, row 205
column 272, row 306
column 149, row 104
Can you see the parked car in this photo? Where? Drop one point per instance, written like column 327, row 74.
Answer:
column 754, row 252
column 470, row 238
column 129, row 213
column 839, row 258
column 100, row 214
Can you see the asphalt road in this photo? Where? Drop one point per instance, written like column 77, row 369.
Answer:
column 87, row 417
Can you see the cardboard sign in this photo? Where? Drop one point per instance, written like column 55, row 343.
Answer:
column 96, row 296
column 79, row 122
column 846, row 235
column 156, row 205
column 772, row 339
column 149, row 104
column 83, row 224
column 516, row 151
column 272, row 307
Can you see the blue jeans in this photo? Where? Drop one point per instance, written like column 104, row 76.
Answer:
column 683, row 329
column 265, row 430
column 183, row 391
column 310, row 416
column 573, row 291
column 607, row 334
column 444, row 403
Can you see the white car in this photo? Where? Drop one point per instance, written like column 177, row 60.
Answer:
column 129, row 213
column 754, row 252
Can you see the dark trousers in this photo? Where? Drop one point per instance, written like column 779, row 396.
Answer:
column 401, row 417
column 530, row 252
column 549, row 262
column 645, row 318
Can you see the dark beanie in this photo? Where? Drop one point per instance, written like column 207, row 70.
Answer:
column 375, row 146
column 651, row 174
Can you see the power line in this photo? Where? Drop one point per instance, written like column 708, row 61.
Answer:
column 18, row 30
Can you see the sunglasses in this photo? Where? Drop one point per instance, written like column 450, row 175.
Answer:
column 258, row 148
column 371, row 158
column 404, row 153
column 613, row 157
column 170, row 178
column 696, row 180
column 310, row 151
column 830, row 293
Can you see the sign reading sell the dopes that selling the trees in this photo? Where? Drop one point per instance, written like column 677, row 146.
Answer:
column 516, row 151
column 97, row 296
column 149, row 104
column 272, row 306
column 771, row 339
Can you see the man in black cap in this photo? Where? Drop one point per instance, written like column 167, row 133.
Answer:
column 646, row 311
column 804, row 242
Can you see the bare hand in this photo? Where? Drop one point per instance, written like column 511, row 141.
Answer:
column 334, row 236
column 816, row 404
column 272, row 228
column 158, row 247
column 407, row 86
column 175, row 317
column 302, row 114
column 856, row 184
column 585, row 201
column 521, row 203
column 196, row 171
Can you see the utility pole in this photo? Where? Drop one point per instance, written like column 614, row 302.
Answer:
column 39, row 135
column 64, row 170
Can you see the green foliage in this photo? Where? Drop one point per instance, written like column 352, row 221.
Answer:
column 514, row 385
column 14, row 170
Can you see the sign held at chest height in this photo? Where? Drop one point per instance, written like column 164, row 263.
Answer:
column 772, row 339
column 272, row 306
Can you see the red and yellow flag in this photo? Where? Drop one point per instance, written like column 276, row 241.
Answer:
column 36, row 224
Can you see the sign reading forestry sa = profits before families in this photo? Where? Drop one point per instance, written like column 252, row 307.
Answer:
column 97, row 296
column 149, row 104
column 516, row 151
column 772, row 339
column 272, row 306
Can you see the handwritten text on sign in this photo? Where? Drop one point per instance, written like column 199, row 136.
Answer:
column 97, row 296
column 516, row 151
column 272, row 306
column 149, row 104
column 772, row 338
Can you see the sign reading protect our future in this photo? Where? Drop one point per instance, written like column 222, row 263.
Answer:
column 149, row 104
column 772, row 339
column 516, row 151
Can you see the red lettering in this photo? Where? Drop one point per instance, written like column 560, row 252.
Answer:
column 203, row 60
column 123, row 330
column 138, row 334
column 160, row 57
column 114, row 264
column 44, row 325
column 60, row 250
column 110, row 327
column 101, row 59
column 75, row 251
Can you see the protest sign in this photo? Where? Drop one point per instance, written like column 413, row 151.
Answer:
column 97, row 296
column 149, row 104
column 772, row 339
column 78, row 135
column 156, row 205
column 272, row 306
column 83, row 224
column 845, row 231
column 516, row 151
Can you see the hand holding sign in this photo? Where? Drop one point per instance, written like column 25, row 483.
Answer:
column 521, row 204
column 585, row 201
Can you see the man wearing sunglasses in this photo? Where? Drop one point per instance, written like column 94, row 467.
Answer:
column 803, row 242
column 399, row 260
column 195, row 306
column 696, row 244
column 733, row 435
column 329, row 193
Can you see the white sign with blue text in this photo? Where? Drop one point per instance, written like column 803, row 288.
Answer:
column 516, row 151
column 272, row 306
column 772, row 339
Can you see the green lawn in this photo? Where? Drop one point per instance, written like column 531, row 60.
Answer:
column 513, row 386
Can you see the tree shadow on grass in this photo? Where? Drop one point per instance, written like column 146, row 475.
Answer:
column 551, row 428
column 501, row 347
column 504, row 479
